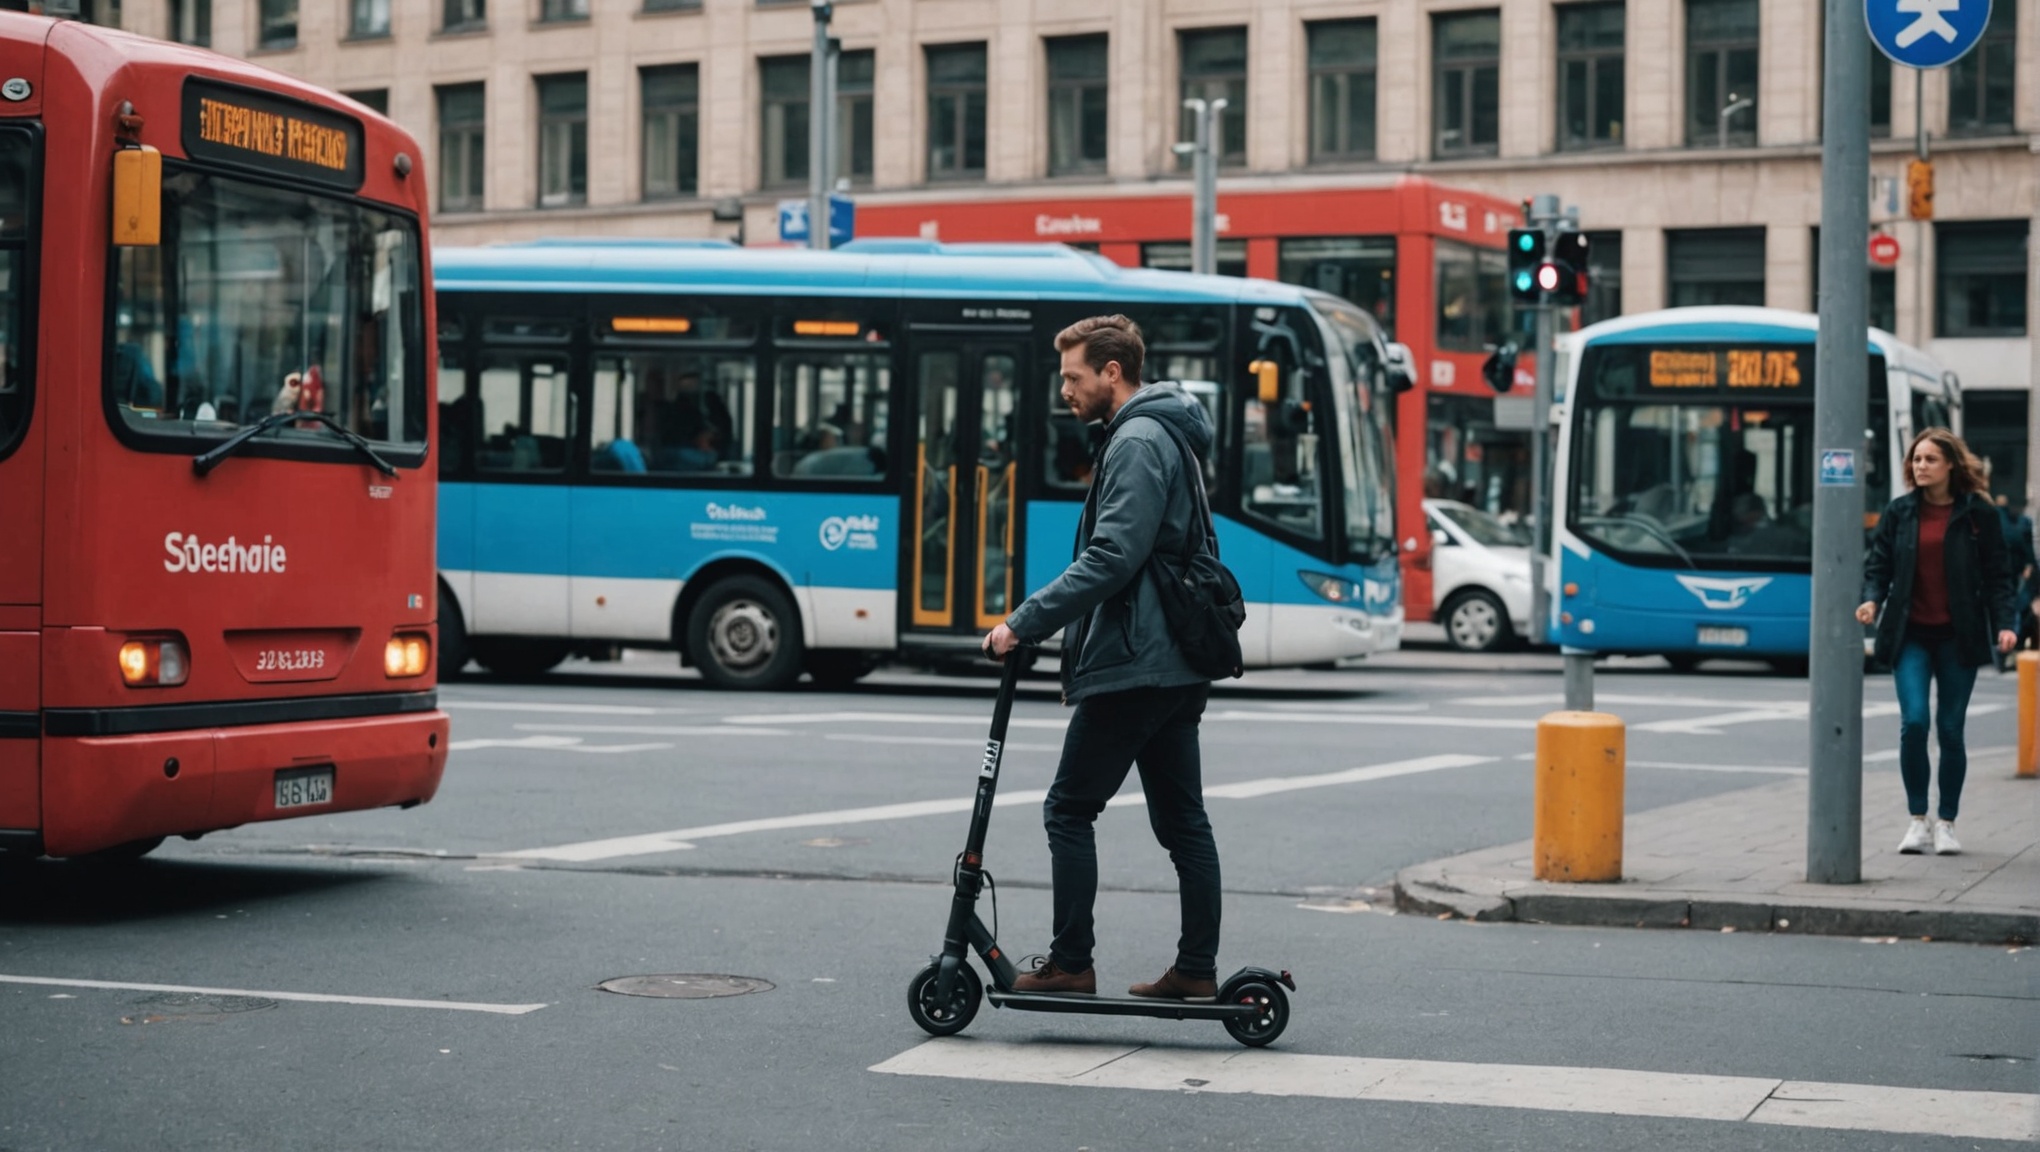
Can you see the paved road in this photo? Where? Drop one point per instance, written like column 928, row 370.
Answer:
column 622, row 820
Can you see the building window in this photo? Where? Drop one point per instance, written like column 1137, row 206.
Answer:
column 279, row 24
column 1980, row 84
column 1360, row 268
column 463, row 113
column 1590, row 76
column 191, row 22
column 1175, row 257
column 1342, row 55
column 376, row 98
column 956, row 112
column 1715, row 266
column 1466, row 66
column 672, row 5
column 783, row 113
column 1473, row 296
column 1980, row 269
column 1077, row 90
column 672, row 104
column 1721, row 73
column 550, row 11
column 1880, row 94
column 562, row 140
column 1214, row 65
column 1604, row 278
column 368, row 19
column 463, row 15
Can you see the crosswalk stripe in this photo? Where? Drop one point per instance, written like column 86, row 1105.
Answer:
column 1606, row 1091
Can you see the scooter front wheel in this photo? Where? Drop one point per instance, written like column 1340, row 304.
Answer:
column 946, row 1019
column 1263, row 1026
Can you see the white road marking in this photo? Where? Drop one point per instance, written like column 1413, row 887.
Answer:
column 1602, row 1091
column 1751, row 769
column 651, row 843
column 767, row 719
column 556, row 744
column 1712, row 725
column 655, row 729
column 939, row 742
column 536, row 706
column 1601, row 698
column 1373, row 720
column 307, row 997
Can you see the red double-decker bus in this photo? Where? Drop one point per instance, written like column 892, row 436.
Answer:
column 216, row 582
column 1426, row 259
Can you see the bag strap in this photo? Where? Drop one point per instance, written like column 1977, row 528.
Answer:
column 1200, row 503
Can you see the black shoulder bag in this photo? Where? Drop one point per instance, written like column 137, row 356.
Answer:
column 1200, row 598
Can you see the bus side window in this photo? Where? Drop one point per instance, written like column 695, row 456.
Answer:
column 524, row 412
column 456, row 408
column 832, row 416
column 673, row 413
column 1279, row 479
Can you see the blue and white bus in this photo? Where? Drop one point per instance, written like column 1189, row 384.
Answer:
column 782, row 461
column 1685, row 474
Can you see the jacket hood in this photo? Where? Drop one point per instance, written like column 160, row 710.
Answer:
column 1170, row 403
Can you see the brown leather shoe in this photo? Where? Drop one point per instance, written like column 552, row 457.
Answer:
column 1049, row 978
column 1175, row 986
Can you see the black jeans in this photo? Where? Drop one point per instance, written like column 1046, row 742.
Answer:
column 1155, row 728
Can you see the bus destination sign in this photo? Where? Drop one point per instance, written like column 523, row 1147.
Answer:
column 276, row 135
column 1725, row 368
column 1712, row 370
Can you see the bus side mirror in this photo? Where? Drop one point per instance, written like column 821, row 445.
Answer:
column 1268, row 379
column 1402, row 368
column 137, row 197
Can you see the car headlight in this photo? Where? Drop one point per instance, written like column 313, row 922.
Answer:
column 1336, row 589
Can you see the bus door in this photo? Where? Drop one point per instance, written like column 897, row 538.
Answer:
column 962, row 573
column 522, row 511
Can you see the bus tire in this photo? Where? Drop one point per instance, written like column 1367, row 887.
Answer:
column 744, row 633
column 1475, row 621
column 453, row 638
column 836, row 668
column 506, row 657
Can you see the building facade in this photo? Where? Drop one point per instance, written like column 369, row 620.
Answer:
column 1687, row 131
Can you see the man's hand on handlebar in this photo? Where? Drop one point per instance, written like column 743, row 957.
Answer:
column 998, row 642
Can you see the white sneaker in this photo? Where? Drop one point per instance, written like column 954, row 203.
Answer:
column 1945, row 843
column 1917, row 837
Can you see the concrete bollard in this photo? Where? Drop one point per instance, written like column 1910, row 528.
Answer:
column 2029, row 713
column 1577, row 832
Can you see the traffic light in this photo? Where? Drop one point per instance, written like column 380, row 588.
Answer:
column 1919, row 187
column 1500, row 369
column 1526, row 253
column 1565, row 283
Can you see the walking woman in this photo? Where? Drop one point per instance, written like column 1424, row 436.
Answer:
column 1938, row 569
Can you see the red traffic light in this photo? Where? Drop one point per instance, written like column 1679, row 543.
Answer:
column 1549, row 277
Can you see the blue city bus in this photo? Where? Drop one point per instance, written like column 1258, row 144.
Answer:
column 779, row 462
column 1686, row 468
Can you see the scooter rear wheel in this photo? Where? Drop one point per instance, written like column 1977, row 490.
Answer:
column 939, row 1019
column 1263, row 1027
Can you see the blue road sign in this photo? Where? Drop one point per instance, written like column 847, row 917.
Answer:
column 1926, row 33
column 1838, row 468
column 793, row 220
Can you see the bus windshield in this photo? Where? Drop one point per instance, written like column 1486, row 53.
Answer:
column 261, row 300
column 1366, row 445
column 1701, row 457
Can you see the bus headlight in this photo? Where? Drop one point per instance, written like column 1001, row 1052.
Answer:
column 154, row 662
column 407, row 654
column 1333, row 588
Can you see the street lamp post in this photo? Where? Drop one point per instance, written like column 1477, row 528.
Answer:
column 1734, row 106
column 1204, row 183
column 818, row 129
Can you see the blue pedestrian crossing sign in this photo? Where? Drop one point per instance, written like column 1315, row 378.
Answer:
column 793, row 220
column 1926, row 33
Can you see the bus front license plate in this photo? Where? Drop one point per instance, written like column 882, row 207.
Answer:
column 304, row 787
column 1724, row 637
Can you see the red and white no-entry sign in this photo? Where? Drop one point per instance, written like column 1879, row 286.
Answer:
column 1883, row 250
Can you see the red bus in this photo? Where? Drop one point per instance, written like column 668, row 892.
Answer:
column 216, row 592
column 1425, row 259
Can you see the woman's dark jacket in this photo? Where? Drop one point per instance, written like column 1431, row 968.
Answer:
column 1979, row 576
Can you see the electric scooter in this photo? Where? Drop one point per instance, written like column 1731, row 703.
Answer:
column 943, row 997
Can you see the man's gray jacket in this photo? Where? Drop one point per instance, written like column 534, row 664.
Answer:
column 1116, row 637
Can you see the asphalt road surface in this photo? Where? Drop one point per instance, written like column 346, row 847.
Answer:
column 428, row 979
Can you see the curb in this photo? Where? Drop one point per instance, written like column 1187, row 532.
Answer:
column 1433, row 895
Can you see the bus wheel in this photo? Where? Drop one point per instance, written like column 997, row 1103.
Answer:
column 453, row 639
column 839, row 669
column 519, row 657
column 1475, row 621
column 744, row 634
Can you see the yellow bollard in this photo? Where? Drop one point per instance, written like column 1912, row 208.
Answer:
column 1577, row 833
column 2029, row 704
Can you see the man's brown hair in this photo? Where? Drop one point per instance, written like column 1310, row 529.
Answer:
column 1962, row 466
column 1105, row 339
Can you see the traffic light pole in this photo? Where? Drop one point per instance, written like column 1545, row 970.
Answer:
column 1544, row 214
column 818, row 130
column 1834, row 817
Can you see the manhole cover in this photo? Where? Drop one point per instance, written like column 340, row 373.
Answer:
column 165, row 1007
column 686, row 986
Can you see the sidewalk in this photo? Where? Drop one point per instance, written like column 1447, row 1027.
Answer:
column 1738, row 862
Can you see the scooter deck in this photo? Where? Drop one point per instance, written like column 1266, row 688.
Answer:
column 1120, row 1005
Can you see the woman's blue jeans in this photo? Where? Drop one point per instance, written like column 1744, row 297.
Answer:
column 1920, row 664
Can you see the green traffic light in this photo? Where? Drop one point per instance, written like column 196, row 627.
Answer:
column 1526, row 242
column 1523, row 281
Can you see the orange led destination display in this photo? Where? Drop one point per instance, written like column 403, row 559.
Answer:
column 1699, row 371
column 1727, row 368
column 264, row 132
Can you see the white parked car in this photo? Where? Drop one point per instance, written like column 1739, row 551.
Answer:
column 1480, row 577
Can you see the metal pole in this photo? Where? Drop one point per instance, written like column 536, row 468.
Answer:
column 1201, row 210
column 833, row 130
column 1834, row 817
column 1579, row 681
column 818, row 131
column 1544, row 213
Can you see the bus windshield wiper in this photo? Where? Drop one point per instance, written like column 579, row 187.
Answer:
column 210, row 459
